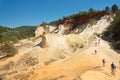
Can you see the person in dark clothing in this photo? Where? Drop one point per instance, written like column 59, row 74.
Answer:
column 113, row 68
column 95, row 51
column 103, row 61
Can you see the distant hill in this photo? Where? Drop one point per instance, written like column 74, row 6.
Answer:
column 14, row 34
column 3, row 29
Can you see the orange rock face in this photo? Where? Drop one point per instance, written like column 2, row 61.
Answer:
column 81, row 19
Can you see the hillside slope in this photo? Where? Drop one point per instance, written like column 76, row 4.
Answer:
column 65, row 57
column 84, row 65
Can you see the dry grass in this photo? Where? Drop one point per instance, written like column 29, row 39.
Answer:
column 28, row 61
column 8, row 66
column 49, row 61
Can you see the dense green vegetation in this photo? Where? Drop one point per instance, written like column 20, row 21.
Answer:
column 24, row 32
column 8, row 50
column 9, row 36
column 113, row 32
column 12, row 35
column 115, row 8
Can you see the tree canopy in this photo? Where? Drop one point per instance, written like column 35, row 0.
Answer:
column 91, row 10
column 115, row 8
column 107, row 9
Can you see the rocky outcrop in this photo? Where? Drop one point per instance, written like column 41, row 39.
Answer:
column 39, row 31
column 70, row 24
column 48, row 29
column 82, row 19
column 44, row 44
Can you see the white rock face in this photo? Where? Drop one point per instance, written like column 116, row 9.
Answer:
column 39, row 31
column 60, row 41
column 55, row 41
column 50, row 28
column 97, row 27
column 61, row 29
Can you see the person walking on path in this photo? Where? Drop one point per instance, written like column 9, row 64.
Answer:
column 113, row 68
column 103, row 61
column 98, row 41
column 95, row 51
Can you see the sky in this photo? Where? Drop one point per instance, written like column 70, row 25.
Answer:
column 14, row 13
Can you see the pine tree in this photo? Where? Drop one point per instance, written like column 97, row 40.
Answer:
column 115, row 8
column 91, row 10
column 107, row 9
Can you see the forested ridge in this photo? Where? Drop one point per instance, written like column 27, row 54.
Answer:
column 10, row 36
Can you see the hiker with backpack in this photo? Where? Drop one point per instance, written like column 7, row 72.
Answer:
column 113, row 68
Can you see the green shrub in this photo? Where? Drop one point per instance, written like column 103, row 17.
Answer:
column 8, row 49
